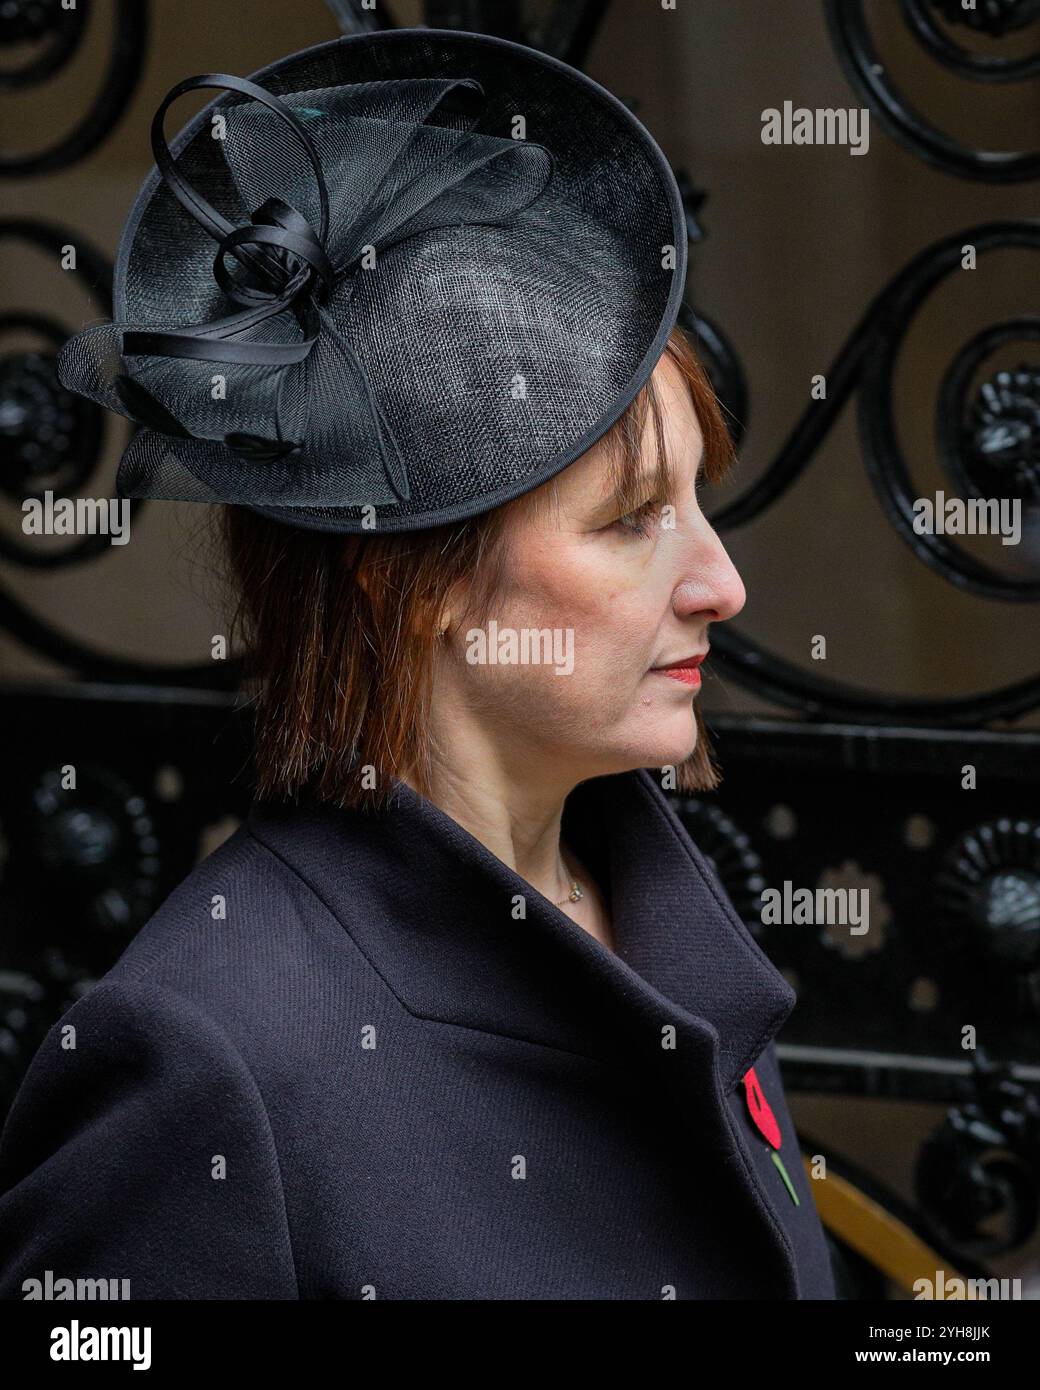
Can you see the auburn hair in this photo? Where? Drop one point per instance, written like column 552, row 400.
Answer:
column 337, row 632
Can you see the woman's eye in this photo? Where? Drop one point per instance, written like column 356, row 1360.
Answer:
column 639, row 520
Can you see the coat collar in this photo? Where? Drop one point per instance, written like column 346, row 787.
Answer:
column 440, row 917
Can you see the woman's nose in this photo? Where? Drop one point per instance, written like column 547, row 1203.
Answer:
column 714, row 589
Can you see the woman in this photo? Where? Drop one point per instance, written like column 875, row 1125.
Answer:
column 460, row 1012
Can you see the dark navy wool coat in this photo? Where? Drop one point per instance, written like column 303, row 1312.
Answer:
column 376, row 1077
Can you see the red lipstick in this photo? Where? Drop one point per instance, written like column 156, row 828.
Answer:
column 686, row 670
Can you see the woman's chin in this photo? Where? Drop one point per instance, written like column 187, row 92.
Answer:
column 668, row 750
column 676, row 742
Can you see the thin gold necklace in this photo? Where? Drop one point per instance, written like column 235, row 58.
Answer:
column 574, row 896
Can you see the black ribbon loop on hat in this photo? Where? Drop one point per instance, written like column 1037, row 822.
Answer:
column 278, row 225
column 276, row 228
column 217, row 225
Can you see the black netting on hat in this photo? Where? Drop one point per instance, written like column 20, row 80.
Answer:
column 423, row 313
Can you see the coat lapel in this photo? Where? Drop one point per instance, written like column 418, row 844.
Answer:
column 675, row 928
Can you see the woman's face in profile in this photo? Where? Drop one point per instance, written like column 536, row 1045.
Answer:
column 622, row 597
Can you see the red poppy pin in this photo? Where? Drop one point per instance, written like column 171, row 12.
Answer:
column 765, row 1122
column 761, row 1111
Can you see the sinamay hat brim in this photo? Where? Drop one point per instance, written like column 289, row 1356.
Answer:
column 467, row 314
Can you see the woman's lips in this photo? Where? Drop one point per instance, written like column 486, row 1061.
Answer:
column 687, row 671
column 689, row 675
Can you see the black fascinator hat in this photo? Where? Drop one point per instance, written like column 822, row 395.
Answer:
column 418, row 271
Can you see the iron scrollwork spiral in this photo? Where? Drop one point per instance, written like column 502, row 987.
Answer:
column 51, row 439
column 54, row 34
column 931, row 26
column 884, row 459
column 990, row 442
column 988, row 438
